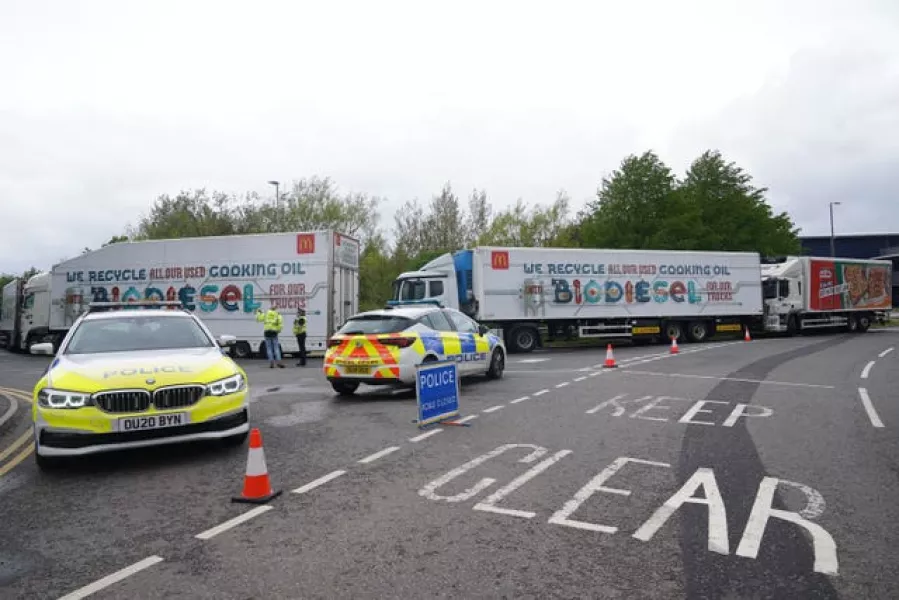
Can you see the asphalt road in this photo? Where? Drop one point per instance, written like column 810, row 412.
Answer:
column 731, row 470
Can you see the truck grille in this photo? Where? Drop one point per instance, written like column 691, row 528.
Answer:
column 178, row 396
column 123, row 401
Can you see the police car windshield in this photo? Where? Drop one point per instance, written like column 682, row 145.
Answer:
column 136, row 334
column 372, row 324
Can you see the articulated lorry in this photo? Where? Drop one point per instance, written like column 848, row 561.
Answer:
column 642, row 294
column 10, row 304
column 223, row 279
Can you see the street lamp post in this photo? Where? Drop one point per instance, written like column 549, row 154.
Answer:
column 278, row 196
column 833, row 252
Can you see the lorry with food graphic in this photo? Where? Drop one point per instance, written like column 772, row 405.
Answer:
column 804, row 292
column 647, row 294
column 225, row 280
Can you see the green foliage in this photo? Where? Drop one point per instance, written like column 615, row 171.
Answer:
column 643, row 205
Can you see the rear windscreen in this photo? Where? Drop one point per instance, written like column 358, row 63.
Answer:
column 375, row 324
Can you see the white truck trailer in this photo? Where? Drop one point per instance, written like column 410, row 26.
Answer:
column 808, row 293
column 593, row 293
column 10, row 303
column 223, row 279
column 648, row 294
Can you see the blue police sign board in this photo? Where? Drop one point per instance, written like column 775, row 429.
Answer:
column 437, row 391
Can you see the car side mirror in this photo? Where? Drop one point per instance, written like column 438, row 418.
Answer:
column 226, row 340
column 483, row 329
column 44, row 348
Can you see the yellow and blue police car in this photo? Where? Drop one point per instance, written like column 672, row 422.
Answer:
column 383, row 347
column 128, row 377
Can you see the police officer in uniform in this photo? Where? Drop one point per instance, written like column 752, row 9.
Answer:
column 299, row 330
column 272, row 324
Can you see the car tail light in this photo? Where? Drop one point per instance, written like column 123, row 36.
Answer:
column 400, row 342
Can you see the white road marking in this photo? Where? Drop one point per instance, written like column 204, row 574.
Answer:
column 531, row 360
column 111, row 579
column 522, row 399
column 822, row 543
column 379, row 454
column 466, row 419
column 869, row 408
column 595, row 373
column 425, row 435
column 561, row 516
column 717, row 527
column 13, row 407
column 867, row 370
column 493, row 408
column 740, row 411
column 541, row 392
column 579, row 378
column 563, row 384
column 769, row 382
column 210, row 533
column 619, row 410
column 320, row 481
column 489, row 504
column 885, row 352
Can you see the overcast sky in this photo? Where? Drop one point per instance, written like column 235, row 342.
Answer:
column 106, row 105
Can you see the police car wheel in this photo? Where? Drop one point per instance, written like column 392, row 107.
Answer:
column 497, row 365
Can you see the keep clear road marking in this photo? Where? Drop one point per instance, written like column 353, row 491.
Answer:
column 869, row 408
column 425, row 435
column 760, row 381
column 210, row 533
column 867, row 370
column 373, row 457
column 885, row 352
column 111, row 579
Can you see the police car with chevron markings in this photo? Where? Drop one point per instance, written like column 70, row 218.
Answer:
column 383, row 347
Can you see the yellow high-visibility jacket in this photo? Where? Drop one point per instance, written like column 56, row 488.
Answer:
column 299, row 325
column 272, row 320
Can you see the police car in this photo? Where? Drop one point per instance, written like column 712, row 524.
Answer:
column 383, row 347
column 127, row 377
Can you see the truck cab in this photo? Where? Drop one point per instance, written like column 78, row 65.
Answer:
column 445, row 281
column 781, row 293
column 34, row 315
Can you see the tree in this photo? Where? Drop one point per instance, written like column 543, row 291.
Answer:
column 644, row 206
column 526, row 226
column 480, row 217
column 189, row 214
column 444, row 227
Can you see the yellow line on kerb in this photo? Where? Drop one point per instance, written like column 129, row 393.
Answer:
column 26, row 437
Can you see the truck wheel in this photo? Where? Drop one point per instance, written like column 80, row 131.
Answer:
column 852, row 324
column 864, row 323
column 241, row 350
column 523, row 338
column 497, row 365
column 673, row 330
column 345, row 388
column 698, row 331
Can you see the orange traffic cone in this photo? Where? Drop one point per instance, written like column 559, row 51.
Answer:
column 610, row 358
column 257, row 489
column 674, row 349
column 746, row 338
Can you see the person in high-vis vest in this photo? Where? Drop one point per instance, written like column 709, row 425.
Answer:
column 299, row 330
column 272, row 324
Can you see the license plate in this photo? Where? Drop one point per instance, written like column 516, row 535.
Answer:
column 153, row 422
column 357, row 370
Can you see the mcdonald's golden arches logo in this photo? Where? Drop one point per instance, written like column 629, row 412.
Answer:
column 499, row 259
column 305, row 243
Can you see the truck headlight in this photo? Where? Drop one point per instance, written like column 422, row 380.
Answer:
column 50, row 398
column 229, row 385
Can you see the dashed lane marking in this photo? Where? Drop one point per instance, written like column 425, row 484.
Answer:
column 563, row 384
column 759, row 381
column 466, row 419
column 493, row 408
column 425, row 435
column 885, row 352
column 580, row 378
column 541, row 392
column 111, row 579
column 867, row 370
column 380, row 453
column 869, row 408
column 522, row 399
column 211, row 533
column 320, row 481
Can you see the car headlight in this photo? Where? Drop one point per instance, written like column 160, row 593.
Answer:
column 229, row 385
column 50, row 398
